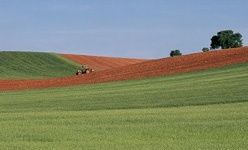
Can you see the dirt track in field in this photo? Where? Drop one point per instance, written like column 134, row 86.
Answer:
column 99, row 63
column 151, row 68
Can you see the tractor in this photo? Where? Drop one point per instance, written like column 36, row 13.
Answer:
column 84, row 70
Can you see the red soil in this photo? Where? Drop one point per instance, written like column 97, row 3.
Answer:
column 151, row 68
column 99, row 63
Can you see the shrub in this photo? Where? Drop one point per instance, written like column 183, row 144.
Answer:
column 175, row 53
column 205, row 49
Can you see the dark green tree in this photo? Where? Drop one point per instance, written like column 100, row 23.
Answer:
column 226, row 39
column 215, row 42
column 175, row 53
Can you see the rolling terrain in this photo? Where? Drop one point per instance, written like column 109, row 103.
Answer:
column 197, row 101
column 99, row 63
column 197, row 110
column 194, row 88
column 33, row 65
column 151, row 68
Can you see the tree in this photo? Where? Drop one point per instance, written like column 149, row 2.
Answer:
column 215, row 42
column 205, row 49
column 175, row 53
column 226, row 39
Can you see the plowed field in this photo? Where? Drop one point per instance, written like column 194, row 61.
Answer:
column 151, row 68
column 99, row 63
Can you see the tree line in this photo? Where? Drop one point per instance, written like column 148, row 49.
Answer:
column 224, row 39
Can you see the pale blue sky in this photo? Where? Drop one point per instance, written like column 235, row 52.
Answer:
column 125, row 28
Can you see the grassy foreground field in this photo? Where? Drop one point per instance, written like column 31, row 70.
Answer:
column 201, row 110
column 19, row 65
column 217, row 127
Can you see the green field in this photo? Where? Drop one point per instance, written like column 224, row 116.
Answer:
column 200, row 110
column 20, row 65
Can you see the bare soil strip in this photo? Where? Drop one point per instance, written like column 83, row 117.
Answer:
column 99, row 63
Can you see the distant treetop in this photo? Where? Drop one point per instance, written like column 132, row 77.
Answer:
column 226, row 39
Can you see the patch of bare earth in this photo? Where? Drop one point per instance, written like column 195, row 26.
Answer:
column 99, row 63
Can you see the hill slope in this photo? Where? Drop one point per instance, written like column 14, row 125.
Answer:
column 34, row 65
column 59, row 118
column 152, row 68
column 99, row 63
column 220, row 85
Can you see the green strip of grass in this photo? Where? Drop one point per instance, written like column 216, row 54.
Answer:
column 30, row 65
column 222, row 126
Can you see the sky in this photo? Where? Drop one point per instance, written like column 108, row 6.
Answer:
column 119, row 28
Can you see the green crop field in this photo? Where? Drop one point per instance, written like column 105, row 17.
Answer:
column 19, row 65
column 199, row 110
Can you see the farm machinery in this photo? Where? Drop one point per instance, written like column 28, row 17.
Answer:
column 84, row 70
